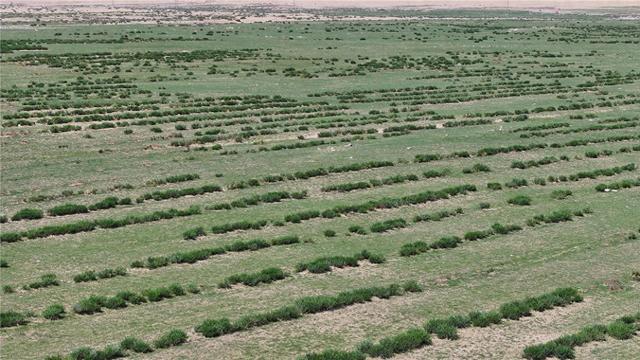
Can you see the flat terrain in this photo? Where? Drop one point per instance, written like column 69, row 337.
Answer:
column 486, row 156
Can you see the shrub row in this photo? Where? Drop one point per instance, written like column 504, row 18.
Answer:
column 476, row 168
column 46, row 280
column 383, row 226
column 324, row 264
column 533, row 163
column 557, row 216
column 602, row 172
column 193, row 256
column 265, row 276
column 240, row 225
column 617, row 185
column 306, row 305
column 92, row 275
column 562, row 348
column 86, row 225
column 94, row 303
column 176, row 193
column 446, row 328
column 270, row 197
column 420, row 247
column 12, row 318
column 437, row 216
column 173, row 337
column 384, row 203
column 173, row 179
column 449, row 242
column 27, row 214
column 345, row 187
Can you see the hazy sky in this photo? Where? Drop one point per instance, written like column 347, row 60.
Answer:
column 563, row 4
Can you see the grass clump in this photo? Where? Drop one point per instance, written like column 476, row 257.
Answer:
column 401, row 343
column 136, row 345
column 174, row 337
column 54, row 312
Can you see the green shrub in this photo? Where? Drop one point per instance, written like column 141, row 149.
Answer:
column 265, row 276
column 401, row 343
column 561, row 194
column 214, row 328
column 67, row 209
column 621, row 330
column 334, row 355
column 414, row 248
column 136, row 345
column 442, row 328
column 12, row 318
column 9, row 237
column 521, row 200
column 494, row 186
column 446, row 242
column 387, row 225
column 46, row 280
column 8, row 289
column 357, row 229
column 476, row 168
column 114, row 302
column 329, row 233
column 194, row 233
column 515, row 310
column 54, row 312
column 90, row 305
column 484, row 319
column 28, row 214
column 174, row 337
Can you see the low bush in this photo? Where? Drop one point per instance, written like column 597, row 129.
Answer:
column 136, row 345
column 561, row 194
column 494, row 186
column 46, row 280
column 329, row 233
column 357, row 229
column 516, row 183
column 387, row 225
column 241, row 225
column 334, row 355
column 437, row 216
column 12, row 318
column 174, row 337
column 28, row 214
column 401, row 343
column 53, row 312
column 476, row 168
column 265, row 276
column 67, row 209
column 194, row 233
column 521, row 200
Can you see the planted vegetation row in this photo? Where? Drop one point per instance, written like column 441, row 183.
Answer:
column 177, row 193
column 385, row 203
column 557, row 216
column 623, row 328
column 325, row 264
column 91, row 225
column 346, row 187
column 307, row 305
column 446, row 328
column 70, row 209
column 307, row 174
column 270, row 197
column 617, row 185
column 448, row 242
column 193, row 256
column 127, row 346
column 94, row 303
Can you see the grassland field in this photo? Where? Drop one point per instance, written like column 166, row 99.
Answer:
column 335, row 115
